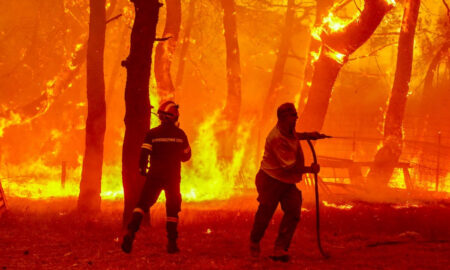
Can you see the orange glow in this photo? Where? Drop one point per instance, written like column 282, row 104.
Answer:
column 51, row 76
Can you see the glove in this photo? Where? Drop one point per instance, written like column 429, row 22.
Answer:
column 143, row 171
column 315, row 168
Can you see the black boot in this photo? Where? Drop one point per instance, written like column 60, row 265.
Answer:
column 172, row 246
column 172, row 235
column 133, row 227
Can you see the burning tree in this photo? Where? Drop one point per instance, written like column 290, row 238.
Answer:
column 339, row 40
column 322, row 6
column 388, row 155
column 164, row 50
column 90, row 185
column 137, row 100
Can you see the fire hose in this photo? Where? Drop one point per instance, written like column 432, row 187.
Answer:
column 316, row 191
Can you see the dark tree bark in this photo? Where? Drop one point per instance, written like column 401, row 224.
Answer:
column 322, row 6
column 165, row 50
column 336, row 47
column 185, row 41
column 233, row 103
column 90, row 186
column 388, row 155
column 137, row 100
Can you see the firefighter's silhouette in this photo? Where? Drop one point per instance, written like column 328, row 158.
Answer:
column 282, row 166
column 167, row 146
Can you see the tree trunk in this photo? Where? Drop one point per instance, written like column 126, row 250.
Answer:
column 91, row 175
column 387, row 157
column 233, row 103
column 322, row 6
column 278, row 70
column 165, row 50
column 137, row 100
column 337, row 45
column 185, row 43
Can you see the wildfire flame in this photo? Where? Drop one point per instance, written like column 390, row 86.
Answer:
column 207, row 176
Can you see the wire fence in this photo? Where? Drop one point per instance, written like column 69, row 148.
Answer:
column 426, row 148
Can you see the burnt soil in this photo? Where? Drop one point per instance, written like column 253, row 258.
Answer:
column 49, row 234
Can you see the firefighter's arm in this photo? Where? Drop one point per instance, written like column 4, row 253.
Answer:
column 146, row 150
column 186, row 149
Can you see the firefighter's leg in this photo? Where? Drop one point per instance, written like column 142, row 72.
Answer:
column 268, row 202
column 291, row 202
column 173, row 207
column 149, row 195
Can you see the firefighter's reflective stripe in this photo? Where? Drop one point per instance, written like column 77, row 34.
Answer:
column 187, row 150
column 177, row 140
column 138, row 210
column 147, row 146
column 172, row 219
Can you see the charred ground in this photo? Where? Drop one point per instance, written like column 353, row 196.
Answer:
column 50, row 235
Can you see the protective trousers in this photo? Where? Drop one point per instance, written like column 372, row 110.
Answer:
column 150, row 193
column 270, row 193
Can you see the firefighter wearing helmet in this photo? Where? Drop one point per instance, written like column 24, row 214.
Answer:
column 167, row 146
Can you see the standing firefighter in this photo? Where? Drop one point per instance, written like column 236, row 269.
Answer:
column 281, row 168
column 167, row 146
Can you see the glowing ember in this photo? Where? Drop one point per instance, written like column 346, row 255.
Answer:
column 341, row 206
column 336, row 56
column 391, row 2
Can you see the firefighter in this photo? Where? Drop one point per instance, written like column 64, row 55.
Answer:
column 281, row 168
column 168, row 146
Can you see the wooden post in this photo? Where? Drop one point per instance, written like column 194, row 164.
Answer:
column 63, row 174
column 438, row 161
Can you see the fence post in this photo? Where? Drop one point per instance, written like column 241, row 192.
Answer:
column 438, row 161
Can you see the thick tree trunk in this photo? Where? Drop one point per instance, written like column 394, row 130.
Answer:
column 165, row 50
column 233, row 103
column 185, row 41
column 91, row 175
column 137, row 100
column 322, row 6
column 336, row 47
column 387, row 157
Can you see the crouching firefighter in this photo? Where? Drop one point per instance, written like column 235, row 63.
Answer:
column 281, row 168
column 167, row 146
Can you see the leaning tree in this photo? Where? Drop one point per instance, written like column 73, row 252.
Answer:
column 338, row 42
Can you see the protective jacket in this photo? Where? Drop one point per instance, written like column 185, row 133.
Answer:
column 167, row 145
